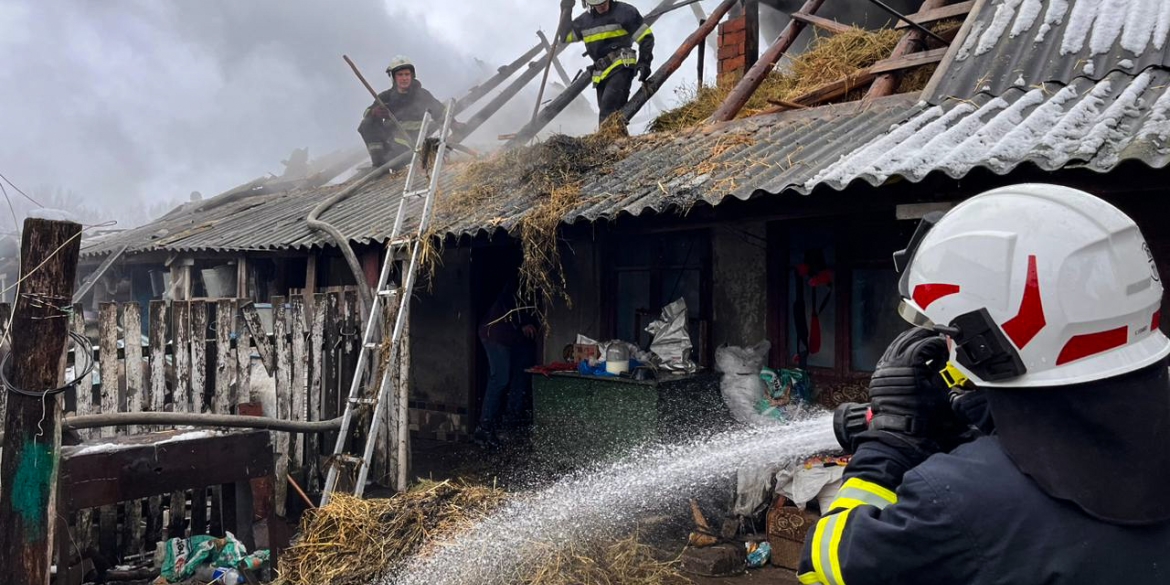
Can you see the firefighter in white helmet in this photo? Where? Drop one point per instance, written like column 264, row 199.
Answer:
column 1045, row 300
column 407, row 100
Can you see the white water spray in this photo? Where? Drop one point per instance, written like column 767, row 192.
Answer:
column 590, row 504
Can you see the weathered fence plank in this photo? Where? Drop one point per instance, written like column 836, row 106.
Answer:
column 134, row 527
column 243, row 359
column 299, row 387
column 198, row 401
column 108, row 366
column 317, row 350
column 181, row 401
column 224, row 399
column 283, row 400
column 83, row 404
column 260, row 336
column 156, row 396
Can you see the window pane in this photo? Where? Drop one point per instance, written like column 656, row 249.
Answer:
column 873, row 316
column 812, row 298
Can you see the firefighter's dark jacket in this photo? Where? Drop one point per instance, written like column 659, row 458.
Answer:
column 969, row 517
column 408, row 107
column 605, row 35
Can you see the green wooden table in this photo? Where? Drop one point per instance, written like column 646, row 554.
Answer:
column 582, row 419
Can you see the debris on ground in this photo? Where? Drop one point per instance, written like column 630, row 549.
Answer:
column 352, row 541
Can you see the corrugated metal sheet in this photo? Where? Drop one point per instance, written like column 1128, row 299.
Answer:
column 657, row 173
column 1086, row 124
column 1022, row 43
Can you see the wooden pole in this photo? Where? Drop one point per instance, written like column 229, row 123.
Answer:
column 32, row 438
column 702, row 55
column 913, row 40
column 675, row 61
column 751, row 14
column 751, row 81
column 566, row 13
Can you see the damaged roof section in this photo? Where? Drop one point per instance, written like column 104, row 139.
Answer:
column 1022, row 43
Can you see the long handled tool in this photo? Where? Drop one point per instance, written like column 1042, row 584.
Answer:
column 406, row 137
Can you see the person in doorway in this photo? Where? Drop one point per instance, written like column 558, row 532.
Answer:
column 508, row 333
column 609, row 30
column 407, row 101
column 1048, row 301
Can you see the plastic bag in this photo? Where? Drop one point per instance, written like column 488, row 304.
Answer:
column 182, row 557
column 802, row 484
column 758, row 554
column 787, row 394
column 672, row 343
column 741, row 385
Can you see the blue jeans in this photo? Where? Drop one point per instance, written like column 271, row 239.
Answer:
column 507, row 364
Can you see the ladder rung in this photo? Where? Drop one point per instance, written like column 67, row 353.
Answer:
column 388, row 292
column 363, row 401
column 415, row 193
column 371, row 345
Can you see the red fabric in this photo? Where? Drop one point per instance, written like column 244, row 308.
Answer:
column 814, row 334
column 1156, row 322
column 546, row 369
column 1030, row 320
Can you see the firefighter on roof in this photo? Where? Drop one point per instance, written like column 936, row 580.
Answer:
column 1046, row 299
column 407, row 100
column 609, row 30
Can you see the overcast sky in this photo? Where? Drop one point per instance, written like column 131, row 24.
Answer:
column 133, row 103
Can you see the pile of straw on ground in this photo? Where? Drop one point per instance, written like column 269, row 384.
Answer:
column 353, row 541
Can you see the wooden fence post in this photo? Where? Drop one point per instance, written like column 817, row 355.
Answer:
column 32, row 438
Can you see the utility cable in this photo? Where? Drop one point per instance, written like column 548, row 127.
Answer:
column 26, row 196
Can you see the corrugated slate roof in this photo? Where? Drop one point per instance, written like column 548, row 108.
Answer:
column 656, row 173
column 1086, row 124
column 1056, row 83
column 1022, row 43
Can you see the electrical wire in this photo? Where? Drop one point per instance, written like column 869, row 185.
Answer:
column 82, row 349
column 26, row 196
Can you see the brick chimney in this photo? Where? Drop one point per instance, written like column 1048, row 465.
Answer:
column 733, row 48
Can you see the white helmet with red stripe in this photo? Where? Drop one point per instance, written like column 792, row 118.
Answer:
column 1036, row 285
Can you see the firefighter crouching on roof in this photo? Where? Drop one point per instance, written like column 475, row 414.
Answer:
column 1047, row 300
column 609, row 30
column 408, row 101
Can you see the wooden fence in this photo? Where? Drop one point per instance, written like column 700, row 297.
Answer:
column 215, row 356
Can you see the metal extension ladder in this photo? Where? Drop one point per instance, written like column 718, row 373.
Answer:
column 384, row 295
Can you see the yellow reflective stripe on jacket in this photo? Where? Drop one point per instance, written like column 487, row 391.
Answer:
column 858, row 492
column 825, row 546
column 608, row 34
column 618, row 63
column 810, row 579
column 571, row 37
column 642, row 33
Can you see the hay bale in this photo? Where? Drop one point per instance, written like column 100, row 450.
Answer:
column 353, row 541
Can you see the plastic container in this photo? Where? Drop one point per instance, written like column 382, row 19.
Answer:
column 617, row 359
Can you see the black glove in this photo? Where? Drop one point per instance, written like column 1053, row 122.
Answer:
column 970, row 407
column 643, row 72
column 908, row 397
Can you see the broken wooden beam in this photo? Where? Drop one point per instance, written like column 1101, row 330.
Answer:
column 826, row 24
column 914, row 39
column 937, row 14
column 751, row 81
column 909, row 61
column 828, row 92
column 651, row 85
column 502, row 74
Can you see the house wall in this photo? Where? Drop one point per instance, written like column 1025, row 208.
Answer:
column 581, row 261
column 441, row 343
column 740, row 289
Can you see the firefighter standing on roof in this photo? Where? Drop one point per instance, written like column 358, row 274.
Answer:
column 407, row 101
column 1047, row 300
column 609, row 30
